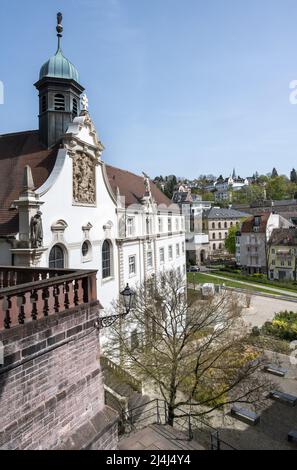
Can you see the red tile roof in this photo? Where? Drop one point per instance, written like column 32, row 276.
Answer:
column 16, row 151
column 132, row 186
column 248, row 224
column 23, row 148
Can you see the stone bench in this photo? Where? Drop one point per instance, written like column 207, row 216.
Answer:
column 283, row 397
column 292, row 435
column 245, row 415
column 275, row 370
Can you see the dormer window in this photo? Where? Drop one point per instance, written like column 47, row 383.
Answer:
column 74, row 108
column 59, row 102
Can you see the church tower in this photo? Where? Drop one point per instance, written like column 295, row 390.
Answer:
column 59, row 94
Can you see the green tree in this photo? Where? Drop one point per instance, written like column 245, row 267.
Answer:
column 293, row 176
column 274, row 173
column 277, row 188
column 230, row 241
column 192, row 351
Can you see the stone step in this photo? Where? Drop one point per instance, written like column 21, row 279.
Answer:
column 179, row 438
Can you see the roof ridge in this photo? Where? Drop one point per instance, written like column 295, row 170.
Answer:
column 126, row 171
column 19, row 132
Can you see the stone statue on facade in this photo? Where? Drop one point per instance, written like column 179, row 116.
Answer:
column 147, row 184
column 36, row 231
column 84, row 179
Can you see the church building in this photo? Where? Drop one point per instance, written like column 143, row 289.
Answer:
column 62, row 206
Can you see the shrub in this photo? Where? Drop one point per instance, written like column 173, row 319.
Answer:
column 283, row 326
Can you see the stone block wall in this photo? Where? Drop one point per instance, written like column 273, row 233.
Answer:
column 51, row 384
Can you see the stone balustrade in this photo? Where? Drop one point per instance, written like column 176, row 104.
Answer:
column 28, row 294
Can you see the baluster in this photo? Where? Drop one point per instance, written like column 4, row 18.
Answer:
column 66, row 297
column 7, row 319
column 45, row 297
column 71, row 294
column 34, row 299
column 14, row 278
column 22, row 314
column 78, row 296
column 56, row 296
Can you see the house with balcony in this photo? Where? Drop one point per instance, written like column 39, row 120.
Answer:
column 282, row 254
column 255, row 234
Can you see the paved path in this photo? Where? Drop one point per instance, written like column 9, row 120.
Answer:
column 259, row 286
column 158, row 437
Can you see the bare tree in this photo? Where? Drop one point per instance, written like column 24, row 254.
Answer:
column 195, row 351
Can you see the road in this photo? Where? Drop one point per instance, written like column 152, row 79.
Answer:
column 257, row 285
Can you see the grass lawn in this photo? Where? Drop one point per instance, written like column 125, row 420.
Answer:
column 200, row 278
column 247, row 278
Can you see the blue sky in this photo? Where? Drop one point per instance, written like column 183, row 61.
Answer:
column 174, row 86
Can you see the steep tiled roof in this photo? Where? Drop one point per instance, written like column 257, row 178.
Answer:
column 248, row 224
column 218, row 213
column 16, row 151
column 284, row 236
column 132, row 187
column 23, row 148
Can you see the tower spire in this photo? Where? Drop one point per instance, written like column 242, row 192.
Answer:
column 59, row 29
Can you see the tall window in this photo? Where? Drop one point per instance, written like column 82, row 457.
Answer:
column 162, row 255
column 213, row 225
column 130, row 226
column 213, row 236
column 225, row 224
column 176, row 225
column 169, row 224
column 106, row 259
column 220, row 235
column 74, row 108
column 56, row 257
column 183, row 247
column 170, row 252
column 219, row 225
column 160, row 224
column 59, row 102
column 214, row 246
column 149, row 259
column 43, row 103
column 177, row 249
column 132, row 265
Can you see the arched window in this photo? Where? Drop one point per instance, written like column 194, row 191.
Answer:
column 43, row 104
column 220, row 235
column 56, row 257
column 213, row 225
column 231, row 224
column 225, row 224
column 214, row 246
column 59, row 102
column 213, row 236
column 74, row 108
column 106, row 259
column 220, row 246
column 219, row 225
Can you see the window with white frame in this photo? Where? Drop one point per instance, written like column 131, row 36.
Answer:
column 177, row 249
column 160, row 224
column 149, row 259
column 169, row 224
column 130, row 226
column 176, row 224
column 170, row 252
column 183, row 247
column 132, row 265
column 162, row 255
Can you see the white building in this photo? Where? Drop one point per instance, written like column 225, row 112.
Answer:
column 63, row 207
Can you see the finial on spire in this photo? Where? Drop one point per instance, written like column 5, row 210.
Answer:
column 59, row 28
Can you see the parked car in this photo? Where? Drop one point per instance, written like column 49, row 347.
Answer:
column 194, row 269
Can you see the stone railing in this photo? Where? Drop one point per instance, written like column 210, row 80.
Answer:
column 107, row 364
column 28, row 294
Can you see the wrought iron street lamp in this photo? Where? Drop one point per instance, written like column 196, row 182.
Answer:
column 127, row 295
